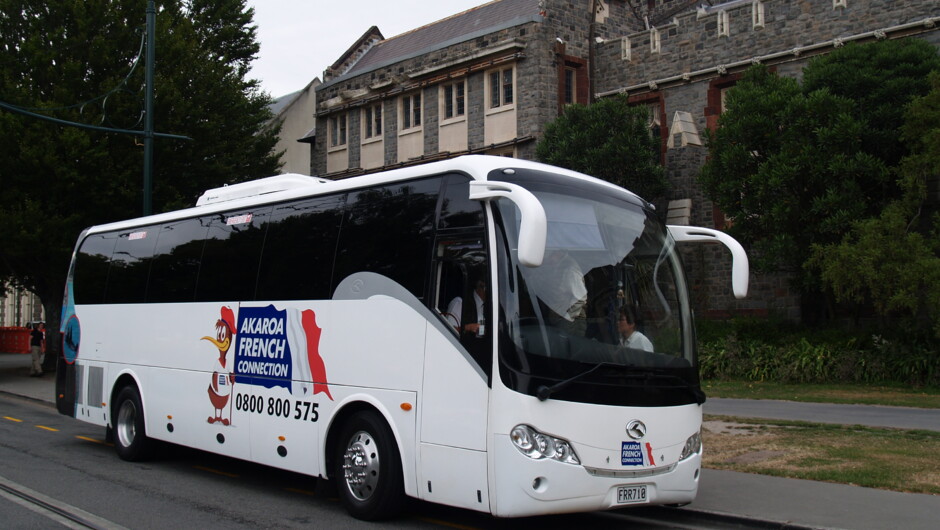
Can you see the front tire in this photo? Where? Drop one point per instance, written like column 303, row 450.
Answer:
column 367, row 468
column 130, row 436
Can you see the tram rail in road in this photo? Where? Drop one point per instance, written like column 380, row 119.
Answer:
column 65, row 514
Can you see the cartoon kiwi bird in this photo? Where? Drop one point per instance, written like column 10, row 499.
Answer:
column 220, row 389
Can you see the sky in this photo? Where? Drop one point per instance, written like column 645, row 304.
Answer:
column 301, row 38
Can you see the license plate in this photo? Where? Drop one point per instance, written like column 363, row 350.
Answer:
column 631, row 494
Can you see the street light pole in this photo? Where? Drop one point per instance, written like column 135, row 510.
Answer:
column 148, row 108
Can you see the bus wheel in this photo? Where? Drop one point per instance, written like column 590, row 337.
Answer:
column 367, row 468
column 130, row 438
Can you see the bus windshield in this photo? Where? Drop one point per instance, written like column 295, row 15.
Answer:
column 606, row 317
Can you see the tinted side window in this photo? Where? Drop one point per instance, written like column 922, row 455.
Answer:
column 457, row 210
column 231, row 254
column 130, row 266
column 91, row 268
column 462, row 294
column 176, row 257
column 297, row 261
column 387, row 230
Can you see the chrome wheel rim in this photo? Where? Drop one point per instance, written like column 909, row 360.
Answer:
column 126, row 423
column 361, row 465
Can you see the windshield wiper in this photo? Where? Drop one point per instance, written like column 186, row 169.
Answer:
column 544, row 392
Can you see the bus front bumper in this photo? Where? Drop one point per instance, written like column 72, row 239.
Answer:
column 524, row 486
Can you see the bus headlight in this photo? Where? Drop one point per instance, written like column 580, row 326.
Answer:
column 536, row 445
column 693, row 446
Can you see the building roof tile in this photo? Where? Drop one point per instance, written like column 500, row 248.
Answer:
column 467, row 24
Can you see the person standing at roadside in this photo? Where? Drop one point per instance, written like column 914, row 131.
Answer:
column 35, row 349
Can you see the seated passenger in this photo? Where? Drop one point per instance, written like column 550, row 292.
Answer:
column 629, row 336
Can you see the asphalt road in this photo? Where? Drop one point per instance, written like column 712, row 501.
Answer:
column 869, row 415
column 56, row 471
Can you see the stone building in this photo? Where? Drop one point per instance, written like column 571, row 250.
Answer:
column 483, row 81
column 296, row 114
column 490, row 79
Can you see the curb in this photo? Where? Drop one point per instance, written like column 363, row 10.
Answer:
column 731, row 519
column 40, row 401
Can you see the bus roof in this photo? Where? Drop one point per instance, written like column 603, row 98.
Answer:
column 254, row 188
column 293, row 186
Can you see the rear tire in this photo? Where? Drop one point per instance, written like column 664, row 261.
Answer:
column 130, row 436
column 367, row 468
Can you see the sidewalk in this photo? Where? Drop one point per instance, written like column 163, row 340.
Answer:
column 780, row 502
column 794, row 503
column 15, row 379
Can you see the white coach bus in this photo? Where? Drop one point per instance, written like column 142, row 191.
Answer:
column 481, row 332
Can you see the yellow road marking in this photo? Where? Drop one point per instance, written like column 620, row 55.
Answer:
column 47, row 428
column 12, row 419
column 216, row 471
column 87, row 439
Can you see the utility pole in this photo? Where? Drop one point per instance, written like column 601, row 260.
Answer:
column 148, row 108
column 148, row 131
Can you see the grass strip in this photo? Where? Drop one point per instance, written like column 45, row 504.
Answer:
column 892, row 459
column 890, row 395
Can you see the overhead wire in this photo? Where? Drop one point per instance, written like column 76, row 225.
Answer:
column 33, row 112
column 120, row 87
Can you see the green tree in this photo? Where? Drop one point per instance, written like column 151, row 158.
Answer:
column 881, row 78
column 788, row 168
column 77, row 60
column 795, row 166
column 610, row 140
column 892, row 261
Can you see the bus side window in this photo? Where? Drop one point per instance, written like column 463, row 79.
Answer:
column 130, row 266
column 388, row 230
column 229, row 268
column 176, row 261
column 450, row 285
column 297, row 261
column 91, row 268
column 457, row 210
column 462, row 276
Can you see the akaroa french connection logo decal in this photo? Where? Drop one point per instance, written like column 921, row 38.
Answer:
column 272, row 348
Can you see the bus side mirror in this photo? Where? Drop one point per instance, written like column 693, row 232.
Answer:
column 534, row 226
column 739, row 264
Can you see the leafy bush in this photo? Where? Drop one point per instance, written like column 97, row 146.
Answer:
column 767, row 350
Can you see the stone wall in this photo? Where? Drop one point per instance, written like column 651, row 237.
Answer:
column 690, row 42
column 699, row 51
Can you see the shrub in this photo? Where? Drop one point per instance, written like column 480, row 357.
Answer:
column 767, row 350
